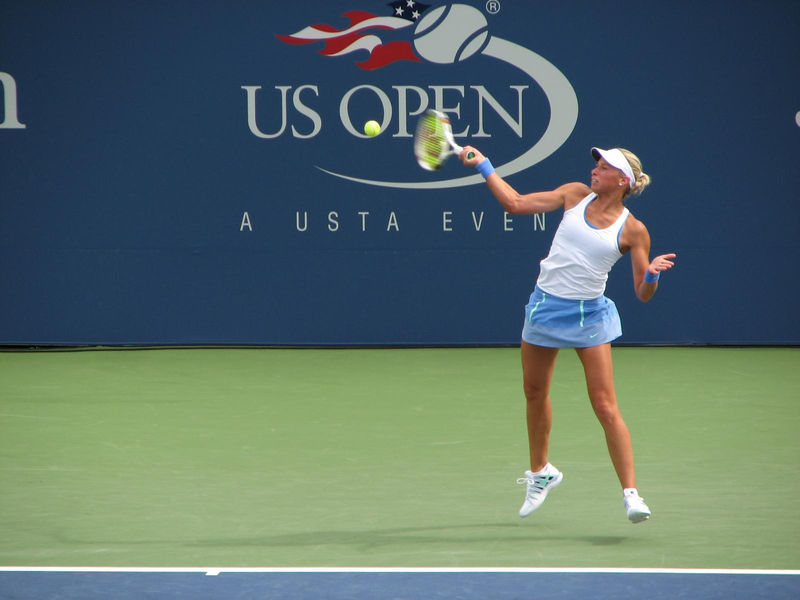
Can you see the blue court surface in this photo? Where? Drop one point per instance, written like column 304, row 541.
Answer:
column 29, row 583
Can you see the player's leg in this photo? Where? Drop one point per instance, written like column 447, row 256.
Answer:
column 538, row 364
column 537, row 371
column 599, row 370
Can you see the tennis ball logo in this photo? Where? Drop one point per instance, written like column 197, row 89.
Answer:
column 452, row 33
column 449, row 34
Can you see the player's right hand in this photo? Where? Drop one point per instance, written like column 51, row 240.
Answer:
column 474, row 160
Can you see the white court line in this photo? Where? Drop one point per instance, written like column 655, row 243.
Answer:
column 219, row 570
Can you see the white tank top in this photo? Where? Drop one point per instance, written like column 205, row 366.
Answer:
column 581, row 255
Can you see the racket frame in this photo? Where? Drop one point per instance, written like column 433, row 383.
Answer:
column 447, row 135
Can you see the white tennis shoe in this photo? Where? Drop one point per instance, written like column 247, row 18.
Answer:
column 538, row 485
column 635, row 507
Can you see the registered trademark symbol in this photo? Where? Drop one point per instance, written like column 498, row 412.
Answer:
column 493, row 7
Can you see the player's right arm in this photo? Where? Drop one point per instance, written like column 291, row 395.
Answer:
column 565, row 196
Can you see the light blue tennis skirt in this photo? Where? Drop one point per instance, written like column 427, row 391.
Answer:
column 558, row 322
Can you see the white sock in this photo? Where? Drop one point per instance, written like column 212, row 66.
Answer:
column 629, row 492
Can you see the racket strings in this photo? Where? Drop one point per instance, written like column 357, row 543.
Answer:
column 431, row 144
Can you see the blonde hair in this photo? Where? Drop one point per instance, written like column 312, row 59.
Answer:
column 641, row 179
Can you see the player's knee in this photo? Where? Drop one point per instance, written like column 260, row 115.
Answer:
column 535, row 391
column 605, row 408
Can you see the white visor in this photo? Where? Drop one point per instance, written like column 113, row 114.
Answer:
column 617, row 160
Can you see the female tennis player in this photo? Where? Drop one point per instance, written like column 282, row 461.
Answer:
column 568, row 309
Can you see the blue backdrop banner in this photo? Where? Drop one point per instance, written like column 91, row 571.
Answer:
column 197, row 173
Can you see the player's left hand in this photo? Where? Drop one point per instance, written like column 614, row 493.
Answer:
column 662, row 263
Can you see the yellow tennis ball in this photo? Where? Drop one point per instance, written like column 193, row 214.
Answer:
column 371, row 128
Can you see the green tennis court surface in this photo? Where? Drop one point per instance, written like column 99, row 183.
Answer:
column 390, row 458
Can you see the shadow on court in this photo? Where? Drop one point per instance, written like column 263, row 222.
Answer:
column 365, row 541
column 417, row 536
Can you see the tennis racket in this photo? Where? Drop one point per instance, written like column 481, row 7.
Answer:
column 433, row 141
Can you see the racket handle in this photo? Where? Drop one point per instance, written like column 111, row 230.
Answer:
column 470, row 155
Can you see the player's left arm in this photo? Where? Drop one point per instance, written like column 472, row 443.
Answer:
column 636, row 239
